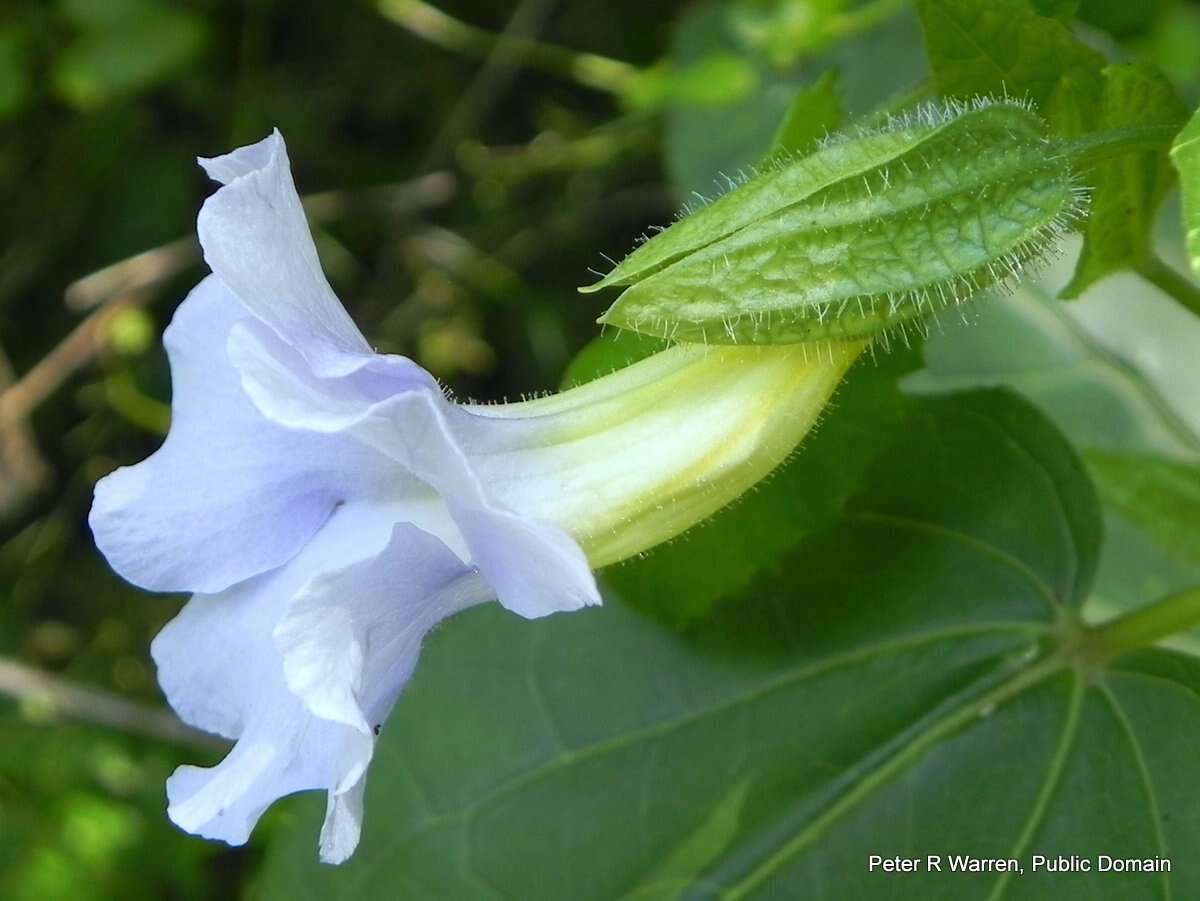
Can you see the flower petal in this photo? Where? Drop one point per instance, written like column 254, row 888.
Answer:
column 314, row 371
column 363, row 590
column 534, row 567
column 343, row 823
column 350, row 635
column 220, row 645
column 256, row 239
column 229, row 495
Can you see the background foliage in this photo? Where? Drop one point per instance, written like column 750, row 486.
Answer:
column 463, row 178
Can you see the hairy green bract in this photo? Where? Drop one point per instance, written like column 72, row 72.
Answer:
column 873, row 229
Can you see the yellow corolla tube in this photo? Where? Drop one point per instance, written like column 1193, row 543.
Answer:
column 634, row 458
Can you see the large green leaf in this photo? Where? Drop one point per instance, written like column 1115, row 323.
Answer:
column 1130, row 188
column 901, row 687
column 1116, row 371
column 1123, row 18
column 815, row 112
column 985, row 47
column 1160, row 496
column 991, row 48
column 1059, row 9
column 702, row 141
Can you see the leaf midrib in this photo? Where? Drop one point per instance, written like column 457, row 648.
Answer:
column 893, row 766
column 758, row 693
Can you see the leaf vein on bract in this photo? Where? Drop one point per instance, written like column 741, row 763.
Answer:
column 936, row 244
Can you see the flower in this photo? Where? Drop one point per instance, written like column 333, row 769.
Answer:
column 327, row 505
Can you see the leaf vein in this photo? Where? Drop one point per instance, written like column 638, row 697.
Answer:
column 1135, row 746
column 1037, row 816
column 984, row 547
column 665, row 727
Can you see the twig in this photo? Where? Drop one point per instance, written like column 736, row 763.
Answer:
column 489, row 83
column 77, row 349
column 93, row 705
column 588, row 69
column 863, row 18
column 129, row 283
column 431, row 190
column 22, row 469
column 151, row 267
column 550, row 153
column 142, row 270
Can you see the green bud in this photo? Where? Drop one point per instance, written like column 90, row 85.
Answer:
column 870, row 230
column 132, row 332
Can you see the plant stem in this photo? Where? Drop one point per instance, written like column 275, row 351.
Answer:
column 1101, row 145
column 129, row 402
column 1143, row 627
column 59, row 697
column 1171, row 283
column 132, row 282
column 489, row 82
column 588, row 69
column 864, row 17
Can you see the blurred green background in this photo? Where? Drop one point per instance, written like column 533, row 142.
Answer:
column 461, row 201
column 463, row 171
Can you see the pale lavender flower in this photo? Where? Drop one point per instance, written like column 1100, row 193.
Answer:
column 327, row 505
column 322, row 539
